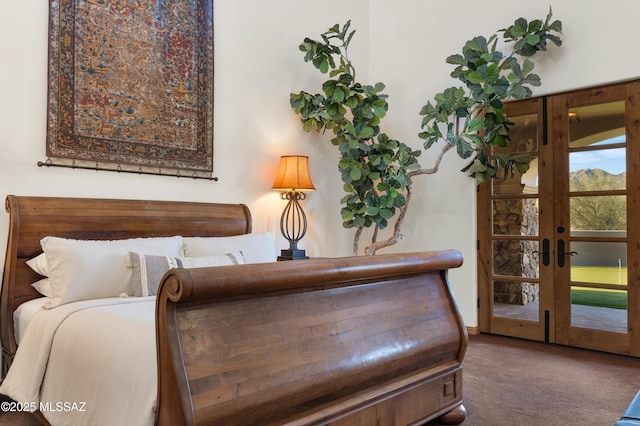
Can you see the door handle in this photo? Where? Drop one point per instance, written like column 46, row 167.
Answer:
column 562, row 253
column 545, row 252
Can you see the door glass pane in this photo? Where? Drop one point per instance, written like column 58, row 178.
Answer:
column 598, row 262
column 599, row 170
column 600, row 309
column 526, row 183
column 514, row 299
column 523, row 134
column 516, row 258
column 518, row 216
column 596, row 124
column 524, row 139
column 605, row 213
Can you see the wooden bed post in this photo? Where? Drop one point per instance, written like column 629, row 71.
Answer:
column 174, row 407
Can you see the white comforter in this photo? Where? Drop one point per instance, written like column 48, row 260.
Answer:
column 90, row 362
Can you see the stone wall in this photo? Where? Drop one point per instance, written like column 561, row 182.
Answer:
column 516, row 258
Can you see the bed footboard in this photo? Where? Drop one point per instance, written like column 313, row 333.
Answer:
column 345, row 341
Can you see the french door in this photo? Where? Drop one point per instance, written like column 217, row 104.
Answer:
column 559, row 246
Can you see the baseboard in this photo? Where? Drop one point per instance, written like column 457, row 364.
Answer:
column 473, row 331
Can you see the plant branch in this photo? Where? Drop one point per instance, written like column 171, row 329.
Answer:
column 397, row 234
column 436, row 165
column 356, row 240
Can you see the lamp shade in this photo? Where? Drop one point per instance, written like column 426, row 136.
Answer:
column 293, row 174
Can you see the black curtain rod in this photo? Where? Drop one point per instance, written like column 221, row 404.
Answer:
column 73, row 165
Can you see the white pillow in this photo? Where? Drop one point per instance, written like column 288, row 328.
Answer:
column 256, row 248
column 43, row 286
column 39, row 264
column 148, row 270
column 93, row 269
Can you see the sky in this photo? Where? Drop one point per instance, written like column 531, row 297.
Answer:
column 609, row 160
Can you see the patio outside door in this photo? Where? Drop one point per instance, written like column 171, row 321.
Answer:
column 558, row 247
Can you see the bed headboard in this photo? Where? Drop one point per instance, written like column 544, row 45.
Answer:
column 32, row 218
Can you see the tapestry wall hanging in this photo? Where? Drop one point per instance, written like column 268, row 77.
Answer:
column 131, row 83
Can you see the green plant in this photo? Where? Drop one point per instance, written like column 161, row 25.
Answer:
column 377, row 170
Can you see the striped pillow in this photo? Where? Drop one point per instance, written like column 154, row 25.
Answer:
column 148, row 270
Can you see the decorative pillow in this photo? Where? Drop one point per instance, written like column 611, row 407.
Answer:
column 39, row 264
column 44, row 287
column 256, row 248
column 93, row 269
column 148, row 269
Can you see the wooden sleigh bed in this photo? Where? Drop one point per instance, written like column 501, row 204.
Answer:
column 341, row 341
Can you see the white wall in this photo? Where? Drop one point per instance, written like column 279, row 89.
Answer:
column 257, row 65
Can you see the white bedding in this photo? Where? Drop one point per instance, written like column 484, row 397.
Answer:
column 23, row 314
column 112, row 380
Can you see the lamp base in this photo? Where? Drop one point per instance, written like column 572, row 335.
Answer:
column 292, row 254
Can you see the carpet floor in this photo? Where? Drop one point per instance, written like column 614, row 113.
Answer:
column 512, row 382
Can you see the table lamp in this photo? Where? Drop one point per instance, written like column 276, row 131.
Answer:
column 293, row 178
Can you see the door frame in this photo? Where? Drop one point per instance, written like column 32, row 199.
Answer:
column 629, row 343
column 534, row 330
column 554, row 319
